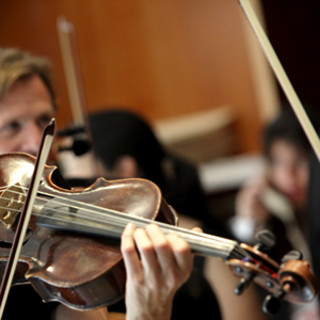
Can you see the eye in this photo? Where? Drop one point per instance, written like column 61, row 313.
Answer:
column 10, row 129
column 44, row 120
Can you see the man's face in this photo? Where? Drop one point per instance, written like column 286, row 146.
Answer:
column 24, row 112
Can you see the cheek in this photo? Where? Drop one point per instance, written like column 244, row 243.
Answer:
column 8, row 145
column 291, row 182
column 304, row 178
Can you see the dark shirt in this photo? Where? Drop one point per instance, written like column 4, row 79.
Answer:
column 25, row 302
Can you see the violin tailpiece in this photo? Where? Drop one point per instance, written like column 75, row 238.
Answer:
column 11, row 203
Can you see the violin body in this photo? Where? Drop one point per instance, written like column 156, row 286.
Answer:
column 81, row 271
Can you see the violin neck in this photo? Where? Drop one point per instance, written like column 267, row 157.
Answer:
column 209, row 245
column 111, row 225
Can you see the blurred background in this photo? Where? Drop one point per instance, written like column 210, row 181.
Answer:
column 194, row 69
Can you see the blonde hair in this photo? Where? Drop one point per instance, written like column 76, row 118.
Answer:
column 16, row 65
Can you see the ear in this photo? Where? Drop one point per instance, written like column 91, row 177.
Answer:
column 126, row 167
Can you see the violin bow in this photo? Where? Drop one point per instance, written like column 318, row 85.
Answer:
column 73, row 76
column 282, row 77
column 75, row 85
column 23, row 222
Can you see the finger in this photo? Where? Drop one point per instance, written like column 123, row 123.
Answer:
column 181, row 251
column 162, row 247
column 146, row 249
column 197, row 229
column 129, row 252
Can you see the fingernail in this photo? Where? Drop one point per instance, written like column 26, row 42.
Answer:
column 130, row 225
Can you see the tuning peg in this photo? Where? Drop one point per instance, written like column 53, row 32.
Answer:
column 243, row 283
column 272, row 303
column 265, row 240
column 292, row 255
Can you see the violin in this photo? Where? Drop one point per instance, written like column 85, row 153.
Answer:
column 71, row 249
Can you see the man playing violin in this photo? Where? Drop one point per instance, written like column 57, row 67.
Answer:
column 156, row 264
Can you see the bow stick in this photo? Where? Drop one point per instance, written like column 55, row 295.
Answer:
column 282, row 77
column 24, row 219
column 75, row 85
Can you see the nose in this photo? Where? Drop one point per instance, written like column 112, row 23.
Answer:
column 31, row 139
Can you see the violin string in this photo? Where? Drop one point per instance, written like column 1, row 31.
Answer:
column 106, row 214
column 100, row 211
column 115, row 213
column 119, row 220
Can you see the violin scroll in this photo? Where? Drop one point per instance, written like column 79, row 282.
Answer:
column 292, row 280
column 297, row 284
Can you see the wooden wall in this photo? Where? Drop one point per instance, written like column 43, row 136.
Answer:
column 161, row 58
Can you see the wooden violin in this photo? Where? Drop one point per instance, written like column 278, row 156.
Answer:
column 71, row 251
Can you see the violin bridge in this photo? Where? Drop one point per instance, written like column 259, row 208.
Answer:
column 11, row 203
